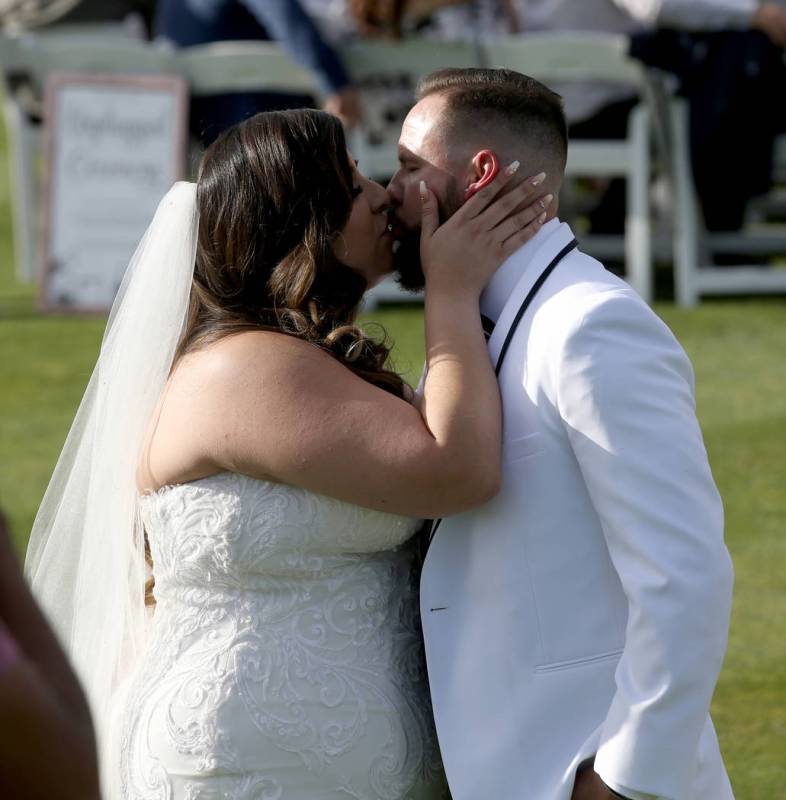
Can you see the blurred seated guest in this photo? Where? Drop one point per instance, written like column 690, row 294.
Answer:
column 192, row 22
column 47, row 748
column 397, row 18
column 332, row 17
column 341, row 20
column 472, row 20
column 727, row 55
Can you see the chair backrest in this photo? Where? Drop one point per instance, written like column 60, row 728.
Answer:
column 242, row 67
column 567, row 58
column 37, row 56
column 411, row 57
column 571, row 61
column 386, row 75
column 208, row 69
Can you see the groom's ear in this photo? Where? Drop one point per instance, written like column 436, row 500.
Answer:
column 484, row 169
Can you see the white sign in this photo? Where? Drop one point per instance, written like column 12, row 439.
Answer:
column 115, row 146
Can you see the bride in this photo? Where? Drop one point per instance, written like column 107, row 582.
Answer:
column 223, row 547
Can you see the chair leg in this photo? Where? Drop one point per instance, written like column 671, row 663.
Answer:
column 638, row 234
column 24, row 146
column 686, row 222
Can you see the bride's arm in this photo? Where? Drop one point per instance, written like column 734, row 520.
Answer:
column 276, row 407
column 461, row 404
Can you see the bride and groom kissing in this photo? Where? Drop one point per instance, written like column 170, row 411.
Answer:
column 247, row 452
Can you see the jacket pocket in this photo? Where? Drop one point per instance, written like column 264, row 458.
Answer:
column 558, row 666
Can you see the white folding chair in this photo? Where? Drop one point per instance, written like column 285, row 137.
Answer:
column 695, row 274
column 598, row 58
column 242, row 67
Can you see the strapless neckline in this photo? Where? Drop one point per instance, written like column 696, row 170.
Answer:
column 285, row 657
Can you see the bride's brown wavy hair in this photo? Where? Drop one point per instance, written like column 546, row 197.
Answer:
column 273, row 193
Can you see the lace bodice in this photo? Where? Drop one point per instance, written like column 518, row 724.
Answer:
column 285, row 659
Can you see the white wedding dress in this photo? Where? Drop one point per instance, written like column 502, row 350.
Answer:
column 285, row 657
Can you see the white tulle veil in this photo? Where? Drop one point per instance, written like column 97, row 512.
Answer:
column 86, row 555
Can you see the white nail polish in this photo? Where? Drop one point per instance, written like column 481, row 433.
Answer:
column 546, row 201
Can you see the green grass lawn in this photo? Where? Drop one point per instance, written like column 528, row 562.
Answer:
column 739, row 352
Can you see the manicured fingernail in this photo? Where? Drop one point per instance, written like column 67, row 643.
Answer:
column 511, row 168
column 542, row 218
column 423, row 191
column 538, row 179
column 546, row 200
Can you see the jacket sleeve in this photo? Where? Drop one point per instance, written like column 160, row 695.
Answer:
column 288, row 24
column 692, row 15
column 625, row 392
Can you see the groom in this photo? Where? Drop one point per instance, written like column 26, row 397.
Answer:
column 576, row 624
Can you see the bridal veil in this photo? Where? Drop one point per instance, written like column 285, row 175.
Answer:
column 85, row 560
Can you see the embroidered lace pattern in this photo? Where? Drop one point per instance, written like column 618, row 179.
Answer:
column 285, row 659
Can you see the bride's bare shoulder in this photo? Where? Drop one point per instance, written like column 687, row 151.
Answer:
column 210, row 391
column 245, row 359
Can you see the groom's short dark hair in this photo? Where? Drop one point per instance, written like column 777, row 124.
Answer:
column 500, row 101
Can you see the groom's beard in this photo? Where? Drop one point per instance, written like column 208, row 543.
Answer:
column 406, row 260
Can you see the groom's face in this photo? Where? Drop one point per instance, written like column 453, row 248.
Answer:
column 423, row 156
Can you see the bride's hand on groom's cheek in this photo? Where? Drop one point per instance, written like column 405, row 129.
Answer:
column 465, row 251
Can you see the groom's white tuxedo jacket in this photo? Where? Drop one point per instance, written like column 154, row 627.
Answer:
column 584, row 611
